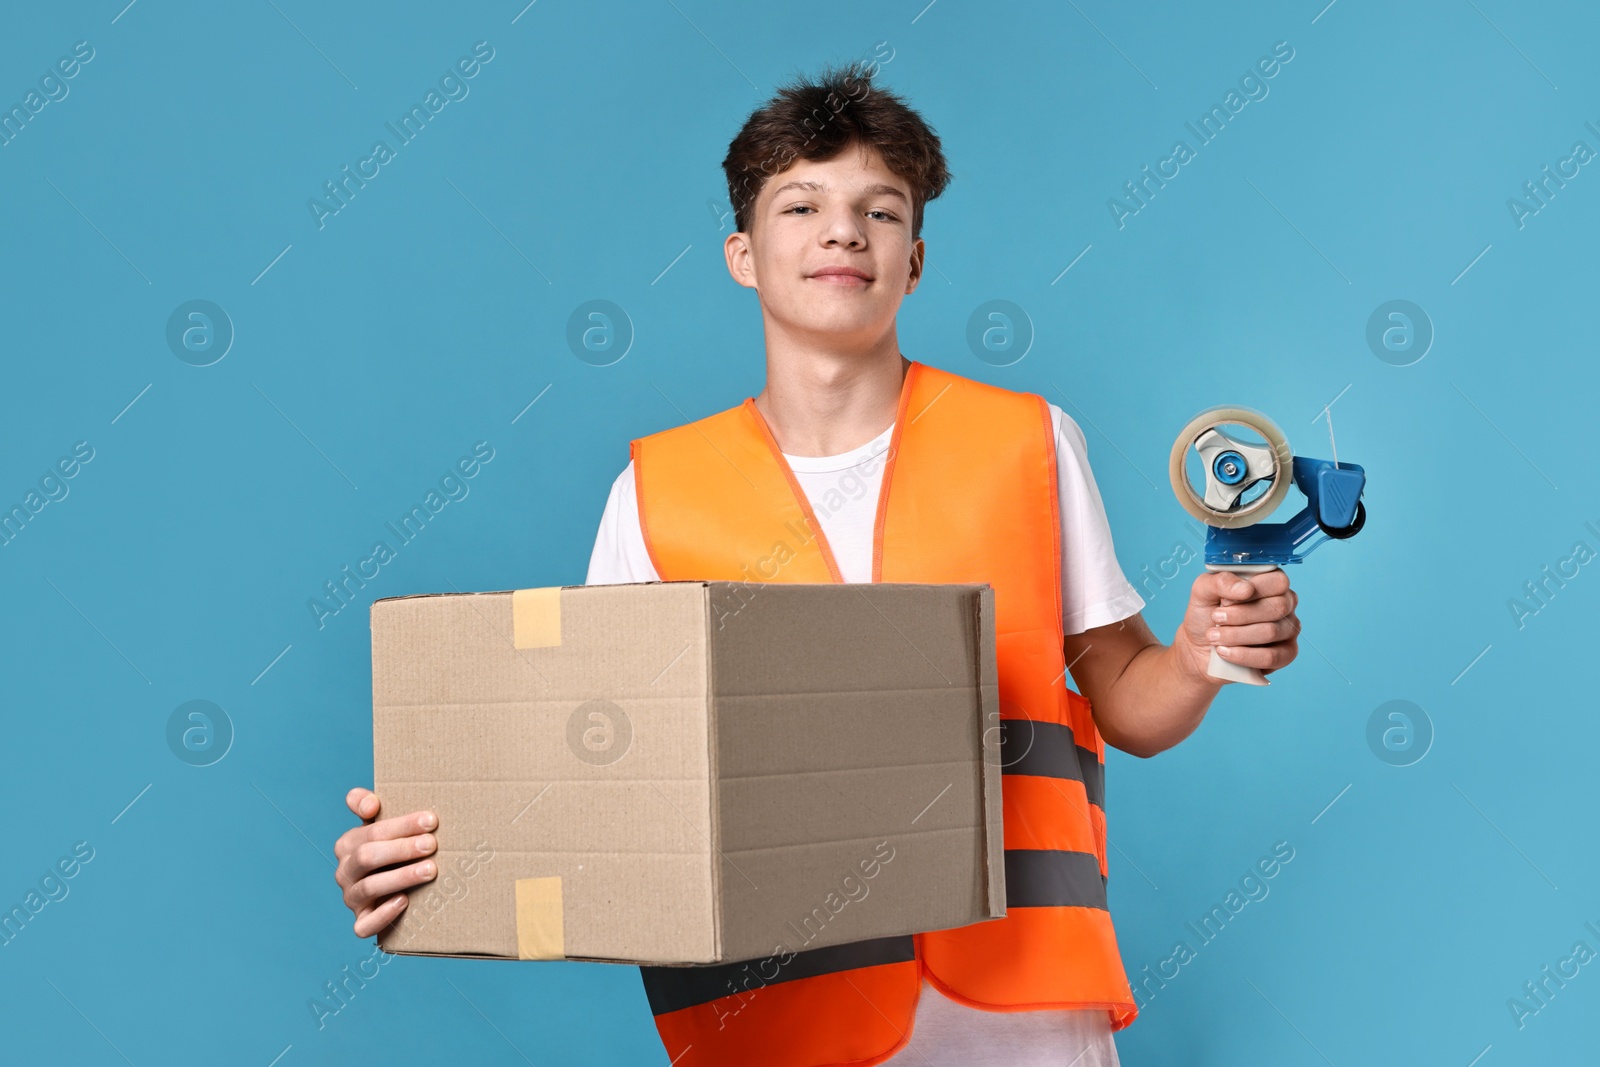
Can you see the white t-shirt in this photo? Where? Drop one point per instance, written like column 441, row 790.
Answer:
column 843, row 493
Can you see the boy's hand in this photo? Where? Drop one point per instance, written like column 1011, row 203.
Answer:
column 1258, row 626
column 379, row 859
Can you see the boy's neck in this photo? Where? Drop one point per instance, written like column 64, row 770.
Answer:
column 824, row 403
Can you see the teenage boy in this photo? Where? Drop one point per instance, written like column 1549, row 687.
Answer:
column 856, row 464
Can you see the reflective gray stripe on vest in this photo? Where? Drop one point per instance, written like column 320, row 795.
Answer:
column 1045, row 878
column 1048, row 750
column 674, row 988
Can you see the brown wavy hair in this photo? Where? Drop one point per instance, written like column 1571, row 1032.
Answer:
column 818, row 119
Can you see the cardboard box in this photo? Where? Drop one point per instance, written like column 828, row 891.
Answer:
column 691, row 772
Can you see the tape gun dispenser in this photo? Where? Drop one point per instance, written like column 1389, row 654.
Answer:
column 1244, row 482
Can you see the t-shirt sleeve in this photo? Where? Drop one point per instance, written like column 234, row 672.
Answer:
column 1094, row 591
column 619, row 553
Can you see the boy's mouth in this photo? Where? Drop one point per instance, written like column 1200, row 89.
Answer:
column 848, row 276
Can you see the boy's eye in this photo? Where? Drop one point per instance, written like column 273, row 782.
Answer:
column 875, row 211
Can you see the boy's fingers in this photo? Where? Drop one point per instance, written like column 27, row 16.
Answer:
column 376, row 887
column 1261, row 657
column 1247, row 655
column 1270, row 583
column 417, row 822
column 372, row 920
column 1261, row 609
column 1224, row 588
column 1229, row 588
column 1256, row 633
column 413, row 825
column 370, row 856
column 362, row 802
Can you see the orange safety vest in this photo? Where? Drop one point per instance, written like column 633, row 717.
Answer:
column 968, row 495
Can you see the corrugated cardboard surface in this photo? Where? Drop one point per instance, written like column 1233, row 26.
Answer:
column 770, row 757
column 848, row 715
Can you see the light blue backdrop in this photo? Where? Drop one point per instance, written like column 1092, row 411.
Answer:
column 370, row 352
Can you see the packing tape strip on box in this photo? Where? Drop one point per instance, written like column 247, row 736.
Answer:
column 540, row 935
column 536, row 617
column 536, row 623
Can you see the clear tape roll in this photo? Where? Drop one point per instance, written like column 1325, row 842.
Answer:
column 1262, row 506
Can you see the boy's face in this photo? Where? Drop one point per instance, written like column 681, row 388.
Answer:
column 849, row 211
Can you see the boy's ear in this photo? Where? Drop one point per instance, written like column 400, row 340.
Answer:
column 741, row 259
column 918, row 252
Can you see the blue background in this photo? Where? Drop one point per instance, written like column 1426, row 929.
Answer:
column 432, row 310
